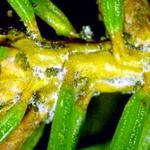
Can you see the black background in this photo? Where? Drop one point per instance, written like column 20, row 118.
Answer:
column 79, row 12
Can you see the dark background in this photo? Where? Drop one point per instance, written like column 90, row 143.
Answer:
column 80, row 13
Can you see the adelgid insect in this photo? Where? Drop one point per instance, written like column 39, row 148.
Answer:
column 44, row 81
